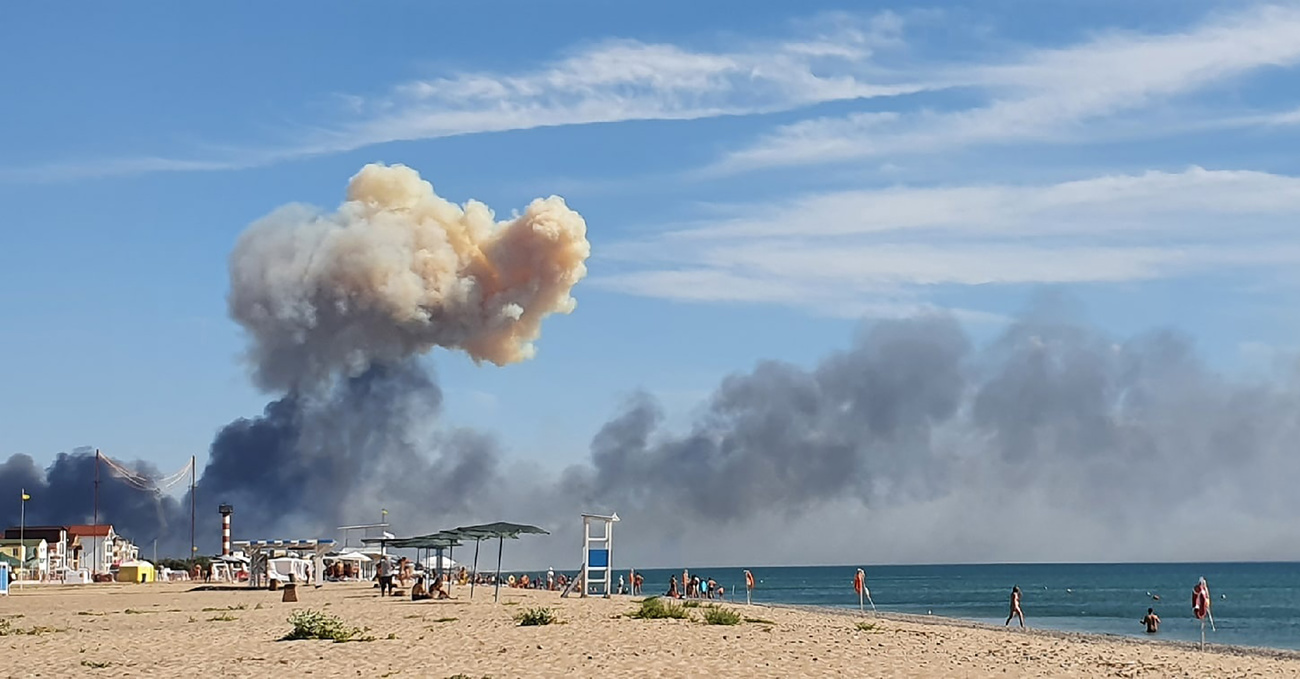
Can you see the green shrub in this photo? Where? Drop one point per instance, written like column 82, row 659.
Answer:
column 311, row 624
column 655, row 608
column 721, row 616
column 535, row 616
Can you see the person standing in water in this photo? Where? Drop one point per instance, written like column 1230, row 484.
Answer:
column 1015, row 607
column 1152, row 621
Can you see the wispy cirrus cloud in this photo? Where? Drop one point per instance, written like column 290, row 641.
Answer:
column 618, row 80
column 1049, row 94
column 851, row 250
column 623, row 80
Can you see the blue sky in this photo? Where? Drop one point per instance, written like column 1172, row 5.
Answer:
column 757, row 179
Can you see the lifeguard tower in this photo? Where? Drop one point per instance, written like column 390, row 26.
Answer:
column 597, row 554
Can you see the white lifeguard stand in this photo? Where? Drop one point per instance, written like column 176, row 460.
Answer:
column 597, row 553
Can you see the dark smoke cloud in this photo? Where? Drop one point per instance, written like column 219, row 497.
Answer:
column 313, row 462
column 1075, row 443
column 1053, row 442
column 63, row 494
column 337, row 308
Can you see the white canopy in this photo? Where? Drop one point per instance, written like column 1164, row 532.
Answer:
column 432, row 562
column 347, row 556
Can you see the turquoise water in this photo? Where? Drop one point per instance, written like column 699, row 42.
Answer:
column 1255, row 604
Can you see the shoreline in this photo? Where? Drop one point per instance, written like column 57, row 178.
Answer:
column 1047, row 632
column 179, row 629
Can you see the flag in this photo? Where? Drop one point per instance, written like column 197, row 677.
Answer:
column 26, row 497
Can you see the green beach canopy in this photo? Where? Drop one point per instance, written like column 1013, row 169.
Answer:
column 435, row 542
column 499, row 530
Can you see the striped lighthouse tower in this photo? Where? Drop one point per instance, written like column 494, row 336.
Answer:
column 226, row 511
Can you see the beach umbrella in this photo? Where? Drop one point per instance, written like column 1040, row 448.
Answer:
column 499, row 530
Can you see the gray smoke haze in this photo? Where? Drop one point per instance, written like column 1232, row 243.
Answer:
column 1052, row 442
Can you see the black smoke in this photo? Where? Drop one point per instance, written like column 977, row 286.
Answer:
column 64, row 494
column 315, row 461
column 1053, row 441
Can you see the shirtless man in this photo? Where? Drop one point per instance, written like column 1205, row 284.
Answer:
column 1152, row 621
column 1015, row 607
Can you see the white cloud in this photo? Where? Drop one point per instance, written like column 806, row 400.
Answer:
column 856, row 249
column 1115, row 205
column 1048, row 93
column 621, row 80
column 831, row 59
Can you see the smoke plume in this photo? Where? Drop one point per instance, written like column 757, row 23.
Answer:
column 394, row 272
column 338, row 307
column 913, row 444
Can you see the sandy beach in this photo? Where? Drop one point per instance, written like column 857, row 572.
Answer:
column 169, row 630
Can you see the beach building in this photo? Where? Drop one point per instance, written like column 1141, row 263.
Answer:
column 32, row 553
column 100, row 548
column 56, row 537
column 137, row 571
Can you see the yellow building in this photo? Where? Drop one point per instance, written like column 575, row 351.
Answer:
column 138, row 571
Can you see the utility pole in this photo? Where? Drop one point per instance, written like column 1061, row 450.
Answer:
column 22, row 534
column 194, row 550
column 94, row 537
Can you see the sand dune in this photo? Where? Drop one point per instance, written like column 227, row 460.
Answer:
column 169, row 631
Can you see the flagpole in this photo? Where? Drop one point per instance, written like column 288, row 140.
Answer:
column 194, row 550
column 22, row 533
column 94, row 537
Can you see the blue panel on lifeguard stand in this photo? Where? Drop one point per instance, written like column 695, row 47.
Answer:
column 597, row 558
column 4, row 578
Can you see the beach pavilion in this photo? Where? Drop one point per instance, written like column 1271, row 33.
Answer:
column 259, row 561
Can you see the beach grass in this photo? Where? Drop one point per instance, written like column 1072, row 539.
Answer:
column 535, row 616
column 714, row 615
column 655, row 608
column 309, row 624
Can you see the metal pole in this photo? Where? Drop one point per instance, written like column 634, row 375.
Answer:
column 22, row 535
column 501, row 543
column 474, row 576
column 193, row 549
column 94, row 538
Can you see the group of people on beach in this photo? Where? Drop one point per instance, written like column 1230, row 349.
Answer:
column 694, row 587
column 1151, row 620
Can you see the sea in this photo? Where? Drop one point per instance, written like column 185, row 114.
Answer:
column 1254, row 604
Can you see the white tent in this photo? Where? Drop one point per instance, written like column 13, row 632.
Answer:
column 432, row 563
column 282, row 568
column 348, row 556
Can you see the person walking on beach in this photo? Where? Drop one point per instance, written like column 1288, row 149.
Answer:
column 385, row 576
column 1015, row 607
column 1152, row 621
